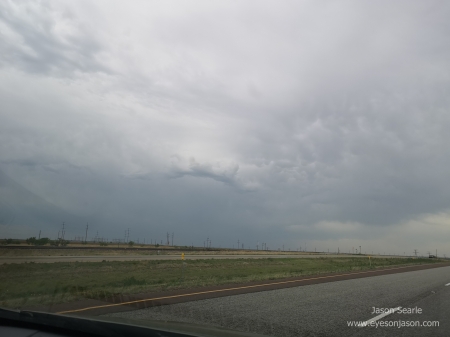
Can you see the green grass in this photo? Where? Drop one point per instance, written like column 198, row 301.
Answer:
column 5, row 252
column 29, row 284
column 111, row 251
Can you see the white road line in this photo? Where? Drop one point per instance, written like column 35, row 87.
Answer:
column 376, row 318
column 448, row 284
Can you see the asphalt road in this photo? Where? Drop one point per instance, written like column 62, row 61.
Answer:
column 323, row 309
column 52, row 259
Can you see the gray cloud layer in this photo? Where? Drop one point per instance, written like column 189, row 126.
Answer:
column 231, row 120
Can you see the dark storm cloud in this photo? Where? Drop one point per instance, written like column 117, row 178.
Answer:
column 376, row 166
column 334, row 116
column 225, row 175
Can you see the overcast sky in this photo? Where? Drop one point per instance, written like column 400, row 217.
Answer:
column 316, row 123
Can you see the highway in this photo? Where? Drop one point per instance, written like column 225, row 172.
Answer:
column 100, row 258
column 324, row 309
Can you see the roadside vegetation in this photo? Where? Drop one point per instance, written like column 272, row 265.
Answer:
column 10, row 242
column 31, row 284
column 38, row 242
column 133, row 249
column 86, row 251
column 109, row 249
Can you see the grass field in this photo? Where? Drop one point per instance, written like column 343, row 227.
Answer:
column 78, row 252
column 29, row 284
column 115, row 252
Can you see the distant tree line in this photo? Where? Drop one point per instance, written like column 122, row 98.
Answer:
column 37, row 242
column 45, row 241
column 11, row 242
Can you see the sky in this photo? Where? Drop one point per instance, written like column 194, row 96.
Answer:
column 308, row 124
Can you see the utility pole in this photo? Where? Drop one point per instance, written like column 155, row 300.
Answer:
column 87, row 227
column 360, row 250
column 168, row 239
column 172, row 238
column 39, row 235
column 63, row 231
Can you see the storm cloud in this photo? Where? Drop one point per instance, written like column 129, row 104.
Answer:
column 298, row 123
